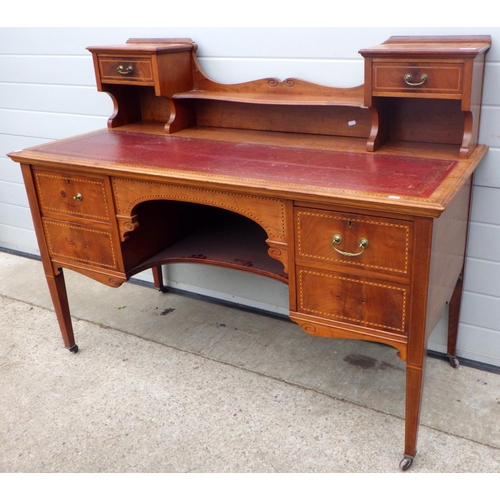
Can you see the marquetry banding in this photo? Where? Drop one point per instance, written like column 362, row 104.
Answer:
column 348, row 318
column 40, row 155
column 423, row 68
column 72, row 212
column 71, row 257
column 343, row 261
column 197, row 195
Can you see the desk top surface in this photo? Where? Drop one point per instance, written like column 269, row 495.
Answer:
column 330, row 173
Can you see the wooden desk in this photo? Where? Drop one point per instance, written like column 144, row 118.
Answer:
column 357, row 198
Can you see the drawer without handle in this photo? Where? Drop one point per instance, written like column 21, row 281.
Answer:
column 126, row 70
column 418, row 78
column 349, row 299
column 377, row 244
column 83, row 244
column 72, row 195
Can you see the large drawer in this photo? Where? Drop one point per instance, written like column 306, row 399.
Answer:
column 349, row 299
column 79, row 243
column 75, row 195
column 418, row 78
column 126, row 70
column 335, row 239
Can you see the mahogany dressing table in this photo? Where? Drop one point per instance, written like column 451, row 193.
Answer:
column 358, row 198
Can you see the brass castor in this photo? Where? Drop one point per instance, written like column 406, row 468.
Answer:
column 405, row 464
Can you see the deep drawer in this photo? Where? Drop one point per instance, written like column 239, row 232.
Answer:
column 72, row 194
column 417, row 78
column 127, row 70
column 326, row 237
column 349, row 299
column 83, row 244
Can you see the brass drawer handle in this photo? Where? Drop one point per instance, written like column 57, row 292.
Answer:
column 337, row 240
column 408, row 81
column 78, row 197
column 124, row 71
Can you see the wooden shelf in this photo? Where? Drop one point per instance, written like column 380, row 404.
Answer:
column 231, row 241
column 346, row 98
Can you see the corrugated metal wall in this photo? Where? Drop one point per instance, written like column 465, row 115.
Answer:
column 47, row 92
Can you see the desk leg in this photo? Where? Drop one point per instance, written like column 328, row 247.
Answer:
column 453, row 316
column 55, row 280
column 158, row 278
column 57, row 288
column 414, row 391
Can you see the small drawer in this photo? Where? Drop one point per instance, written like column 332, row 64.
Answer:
column 368, row 303
column 417, row 78
column 72, row 195
column 82, row 244
column 127, row 70
column 375, row 244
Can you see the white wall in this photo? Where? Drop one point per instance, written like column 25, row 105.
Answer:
column 47, row 91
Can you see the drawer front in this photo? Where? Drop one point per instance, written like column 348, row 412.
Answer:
column 73, row 195
column 349, row 299
column 326, row 237
column 127, row 70
column 417, row 78
column 83, row 244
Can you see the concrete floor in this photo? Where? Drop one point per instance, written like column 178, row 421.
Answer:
column 168, row 383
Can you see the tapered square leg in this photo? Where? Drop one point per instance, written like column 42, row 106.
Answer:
column 57, row 288
column 453, row 317
column 414, row 391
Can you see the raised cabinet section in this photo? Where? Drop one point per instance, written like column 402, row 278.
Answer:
column 159, row 86
column 448, row 70
column 141, row 78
